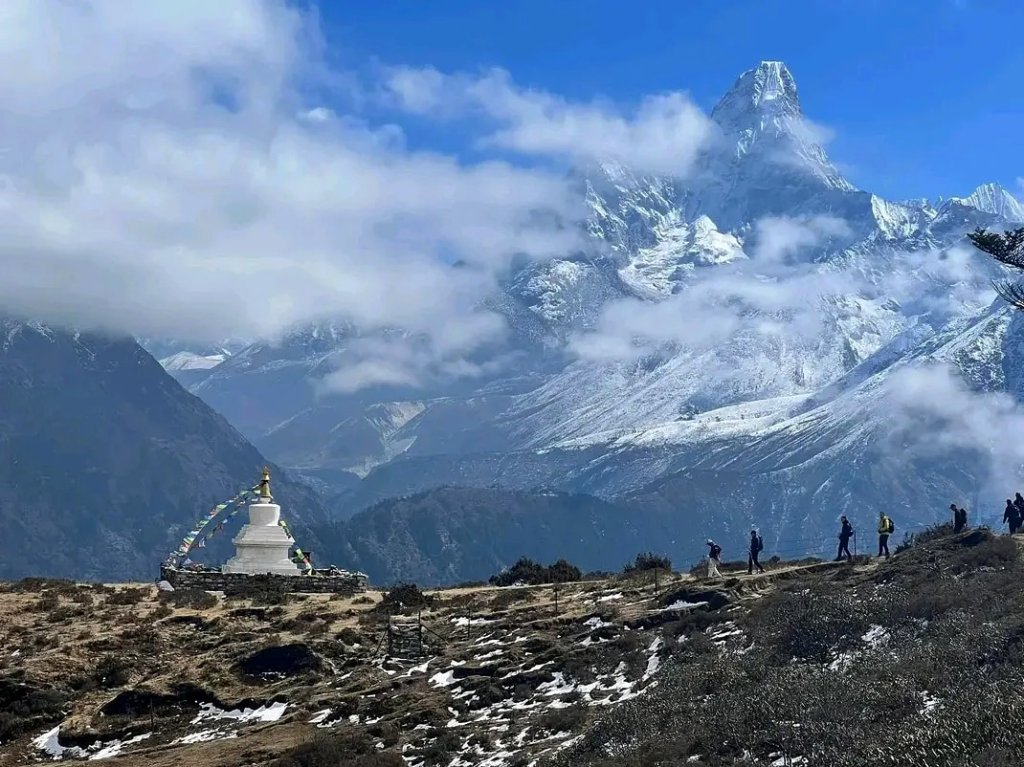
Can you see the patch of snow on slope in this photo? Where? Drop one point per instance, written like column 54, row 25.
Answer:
column 265, row 713
column 191, row 361
column 49, row 742
column 115, row 748
column 681, row 247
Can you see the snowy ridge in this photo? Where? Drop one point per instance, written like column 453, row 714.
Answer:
column 992, row 198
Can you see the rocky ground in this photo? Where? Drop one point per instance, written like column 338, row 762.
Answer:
column 504, row 675
column 620, row 671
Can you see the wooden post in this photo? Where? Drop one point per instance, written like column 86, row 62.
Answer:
column 469, row 622
column 556, row 599
column 419, row 626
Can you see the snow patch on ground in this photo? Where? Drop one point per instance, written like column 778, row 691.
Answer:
column 443, row 679
column 115, row 748
column 49, row 743
column 320, row 716
column 264, row 713
column 204, row 736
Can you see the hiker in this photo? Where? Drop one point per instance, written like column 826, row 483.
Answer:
column 715, row 551
column 885, row 529
column 756, row 546
column 1011, row 516
column 959, row 518
column 844, row 539
column 1019, row 503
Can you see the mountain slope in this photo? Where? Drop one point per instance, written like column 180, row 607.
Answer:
column 105, row 461
column 450, row 535
column 850, row 655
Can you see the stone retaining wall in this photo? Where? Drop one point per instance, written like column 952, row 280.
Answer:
column 348, row 583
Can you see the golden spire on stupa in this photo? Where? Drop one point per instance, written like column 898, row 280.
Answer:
column 265, row 484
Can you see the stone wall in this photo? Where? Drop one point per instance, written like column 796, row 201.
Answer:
column 212, row 580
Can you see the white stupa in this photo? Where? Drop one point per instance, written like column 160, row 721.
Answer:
column 262, row 546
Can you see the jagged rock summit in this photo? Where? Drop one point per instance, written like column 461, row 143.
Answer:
column 771, row 159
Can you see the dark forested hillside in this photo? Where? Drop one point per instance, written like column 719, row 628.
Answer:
column 458, row 534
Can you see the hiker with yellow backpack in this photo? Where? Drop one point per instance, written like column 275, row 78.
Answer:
column 885, row 529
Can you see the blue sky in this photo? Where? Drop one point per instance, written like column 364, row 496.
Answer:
column 924, row 96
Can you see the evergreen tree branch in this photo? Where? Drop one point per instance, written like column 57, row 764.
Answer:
column 1007, row 248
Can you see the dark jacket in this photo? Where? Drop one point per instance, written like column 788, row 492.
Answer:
column 1011, row 513
column 847, row 532
column 716, row 551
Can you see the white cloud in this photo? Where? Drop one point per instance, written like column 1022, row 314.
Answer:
column 163, row 176
column 770, row 294
column 777, row 238
column 933, row 406
column 662, row 135
column 783, row 292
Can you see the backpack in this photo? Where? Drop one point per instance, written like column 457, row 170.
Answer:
column 759, row 544
column 892, row 526
column 716, row 551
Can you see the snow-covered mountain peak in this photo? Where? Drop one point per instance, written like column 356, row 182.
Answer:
column 994, row 199
column 768, row 88
column 769, row 159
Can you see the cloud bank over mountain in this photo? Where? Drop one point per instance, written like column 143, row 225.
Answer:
column 170, row 171
column 165, row 182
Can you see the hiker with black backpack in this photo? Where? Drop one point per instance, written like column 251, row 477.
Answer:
column 885, row 529
column 714, row 559
column 844, row 540
column 1011, row 516
column 756, row 546
column 959, row 519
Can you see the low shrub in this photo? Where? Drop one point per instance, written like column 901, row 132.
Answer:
column 568, row 719
column 350, row 636
column 405, row 596
column 127, row 596
column 47, row 603
column 112, row 672
column 647, row 561
column 442, row 749
column 526, row 571
column 512, row 596
column 36, row 585
column 193, row 599
column 932, row 533
column 995, row 551
column 347, row 748
column 24, row 708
